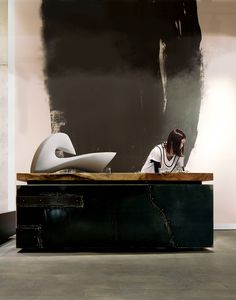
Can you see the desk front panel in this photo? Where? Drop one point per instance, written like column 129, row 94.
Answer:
column 119, row 215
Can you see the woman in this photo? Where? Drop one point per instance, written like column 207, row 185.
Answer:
column 168, row 156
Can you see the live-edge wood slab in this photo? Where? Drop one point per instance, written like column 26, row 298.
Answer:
column 28, row 177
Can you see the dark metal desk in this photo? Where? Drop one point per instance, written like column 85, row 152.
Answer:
column 57, row 211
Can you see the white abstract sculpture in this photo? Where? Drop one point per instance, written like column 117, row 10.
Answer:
column 45, row 159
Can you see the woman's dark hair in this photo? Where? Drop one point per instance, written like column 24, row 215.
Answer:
column 174, row 140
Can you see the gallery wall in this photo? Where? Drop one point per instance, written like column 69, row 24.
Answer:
column 32, row 114
column 211, row 145
column 215, row 148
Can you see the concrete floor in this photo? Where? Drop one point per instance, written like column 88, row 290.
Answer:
column 207, row 274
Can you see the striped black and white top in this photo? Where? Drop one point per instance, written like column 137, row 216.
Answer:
column 159, row 155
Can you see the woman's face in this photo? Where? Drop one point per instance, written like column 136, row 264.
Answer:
column 182, row 143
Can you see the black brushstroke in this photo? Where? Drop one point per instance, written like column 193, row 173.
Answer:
column 102, row 71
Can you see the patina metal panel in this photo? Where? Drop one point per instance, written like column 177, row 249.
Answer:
column 133, row 215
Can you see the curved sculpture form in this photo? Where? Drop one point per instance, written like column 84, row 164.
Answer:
column 45, row 159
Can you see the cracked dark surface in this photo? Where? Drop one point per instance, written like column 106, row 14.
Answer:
column 163, row 217
column 138, row 215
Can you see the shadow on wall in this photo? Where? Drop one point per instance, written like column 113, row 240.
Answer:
column 121, row 74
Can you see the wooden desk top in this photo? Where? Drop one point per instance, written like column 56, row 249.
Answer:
column 57, row 177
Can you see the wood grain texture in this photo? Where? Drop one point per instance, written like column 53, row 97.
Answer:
column 114, row 177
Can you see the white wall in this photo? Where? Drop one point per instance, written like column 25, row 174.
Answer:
column 215, row 149
column 32, row 115
column 3, row 108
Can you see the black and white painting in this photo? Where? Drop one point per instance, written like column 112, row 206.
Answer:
column 121, row 74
